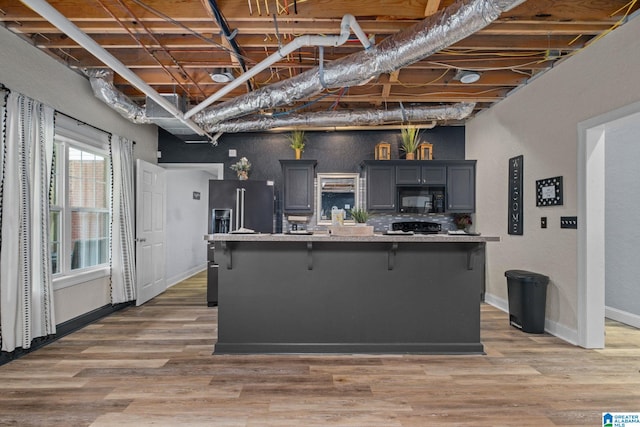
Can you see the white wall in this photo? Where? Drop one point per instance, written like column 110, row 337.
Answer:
column 25, row 69
column 622, row 205
column 540, row 122
column 186, row 252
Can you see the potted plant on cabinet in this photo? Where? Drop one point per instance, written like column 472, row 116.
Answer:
column 297, row 139
column 410, row 141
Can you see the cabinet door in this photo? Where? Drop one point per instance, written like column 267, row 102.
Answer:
column 434, row 175
column 461, row 188
column 298, row 186
column 408, row 174
column 381, row 187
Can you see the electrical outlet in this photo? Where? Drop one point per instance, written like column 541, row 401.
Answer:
column 543, row 222
column 568, row 222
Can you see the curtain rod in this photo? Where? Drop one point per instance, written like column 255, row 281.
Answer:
column 3, row 87
column 87, row 124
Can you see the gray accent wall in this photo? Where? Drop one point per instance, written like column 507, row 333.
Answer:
column 622, row 206
column 334, row 151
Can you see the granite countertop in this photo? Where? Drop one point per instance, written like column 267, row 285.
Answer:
column 325, row 237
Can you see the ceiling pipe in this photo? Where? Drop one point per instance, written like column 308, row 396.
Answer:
column 340, row 119
column 348, row 23
column 435, row 33
column 45, row 10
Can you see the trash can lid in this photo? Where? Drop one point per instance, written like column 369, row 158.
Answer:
column 526, row 276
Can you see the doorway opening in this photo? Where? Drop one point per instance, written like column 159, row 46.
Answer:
column 592, row 191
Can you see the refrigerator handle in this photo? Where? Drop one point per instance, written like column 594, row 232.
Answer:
column 237, row 224
column 242, row 192
column 240, row 208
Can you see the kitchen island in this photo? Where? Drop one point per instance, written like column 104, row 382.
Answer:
column 320, row 293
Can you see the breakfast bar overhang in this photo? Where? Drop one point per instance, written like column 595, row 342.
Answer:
column 320, row 293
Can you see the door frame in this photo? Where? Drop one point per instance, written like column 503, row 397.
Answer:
column 591, row 233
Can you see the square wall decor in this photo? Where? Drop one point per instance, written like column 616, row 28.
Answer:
column 549, row 191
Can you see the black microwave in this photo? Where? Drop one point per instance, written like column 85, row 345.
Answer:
column 420, row 200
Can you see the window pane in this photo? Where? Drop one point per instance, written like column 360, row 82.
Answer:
column 89, row 239
column 87, row 180
column 54, row 240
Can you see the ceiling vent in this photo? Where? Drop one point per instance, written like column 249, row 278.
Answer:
column 158, row 115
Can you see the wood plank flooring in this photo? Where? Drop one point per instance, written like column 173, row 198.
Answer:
column 152, row 365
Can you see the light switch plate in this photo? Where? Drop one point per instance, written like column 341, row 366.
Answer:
column 543, row 222
column 568, row 222
column 233, row 152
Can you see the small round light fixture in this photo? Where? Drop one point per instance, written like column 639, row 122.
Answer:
column 467, row 77
column 221, row 75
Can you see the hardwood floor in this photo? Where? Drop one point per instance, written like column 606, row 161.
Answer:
column 152, row 365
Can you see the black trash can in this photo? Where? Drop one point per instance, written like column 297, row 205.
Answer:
column 527, row 300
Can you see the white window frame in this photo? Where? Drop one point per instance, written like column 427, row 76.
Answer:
column 70, row 133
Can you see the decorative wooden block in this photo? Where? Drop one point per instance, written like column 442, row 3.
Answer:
column 351, row 230
column 383, row 151
column 425, row 151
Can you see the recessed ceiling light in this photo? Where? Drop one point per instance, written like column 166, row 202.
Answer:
column 221, row 75
column 467, row 76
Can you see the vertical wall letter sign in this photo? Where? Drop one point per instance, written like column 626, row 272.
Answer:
column 515, row 195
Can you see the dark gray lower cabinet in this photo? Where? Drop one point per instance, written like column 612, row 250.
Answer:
column 349, row 297
column 212, row 277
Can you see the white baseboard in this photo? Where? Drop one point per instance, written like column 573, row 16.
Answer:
column 622, row 316
column 185, row 275
column 554, row 328
column 499, row 303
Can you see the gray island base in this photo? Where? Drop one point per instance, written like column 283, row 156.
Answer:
column 328, row 294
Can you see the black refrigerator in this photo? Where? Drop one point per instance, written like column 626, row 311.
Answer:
column 236, row 206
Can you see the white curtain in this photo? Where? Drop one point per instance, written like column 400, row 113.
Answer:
column 26, row 294
column 123, row 270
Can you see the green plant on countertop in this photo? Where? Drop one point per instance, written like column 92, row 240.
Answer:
column 410, row 140
column 297, row 140
column 359, row 215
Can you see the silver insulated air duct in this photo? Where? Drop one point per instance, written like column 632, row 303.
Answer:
column 102, row 84
column 344, row 118
column 435, row 33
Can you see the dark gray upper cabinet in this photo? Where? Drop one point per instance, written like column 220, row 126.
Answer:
column 297, row 183
column 457, row 177
column 421, row 175
column 461, row 188
column 381, row 187
column 408, row 175
column 434, row 175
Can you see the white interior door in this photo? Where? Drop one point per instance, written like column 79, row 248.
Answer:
column 150, row 230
